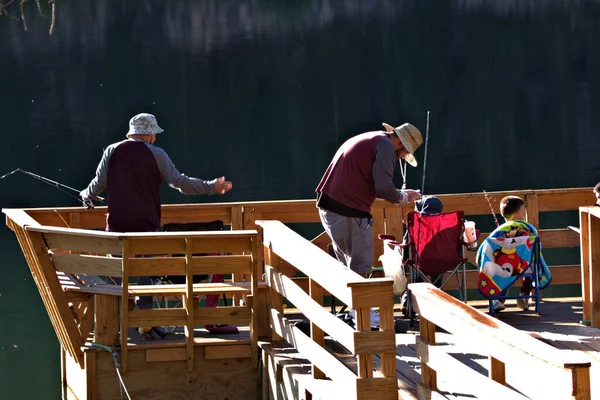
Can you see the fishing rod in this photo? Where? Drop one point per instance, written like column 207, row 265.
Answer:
column 63, row 188
column 425, row 156
column 491, row 208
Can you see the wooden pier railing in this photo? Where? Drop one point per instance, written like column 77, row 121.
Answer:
column 281, row 243
column 589, row 225
column 535, row 369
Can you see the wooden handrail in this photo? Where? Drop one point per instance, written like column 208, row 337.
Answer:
column 503, row 343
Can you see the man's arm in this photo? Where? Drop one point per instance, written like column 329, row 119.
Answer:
column 98, row 184
column 383, row 173
column 176, row 179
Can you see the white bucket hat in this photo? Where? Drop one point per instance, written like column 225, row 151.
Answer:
column 410, row 137
column 143, row 124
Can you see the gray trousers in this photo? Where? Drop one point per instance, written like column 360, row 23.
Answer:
column 351, row 239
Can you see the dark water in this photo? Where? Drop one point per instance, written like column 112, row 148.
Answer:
column 264, row 91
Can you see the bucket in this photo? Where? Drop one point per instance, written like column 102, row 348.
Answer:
column 470, row 236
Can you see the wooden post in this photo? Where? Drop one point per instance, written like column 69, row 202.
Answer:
column 189, row 305
column 594, row 245
column 497, row 370
column 581, row 384
column 276, row 298
column 316, row 333
column 377, row 228
column 365, row 361
column 106, row 320
column 429, row 375
column 388, row 360
column 584, row 237
column 533, row 214
column 125, row 304
column 257, row 250
column 237, row 223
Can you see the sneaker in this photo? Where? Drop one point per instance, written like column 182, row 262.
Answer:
column 523, row 304
column 498, row 306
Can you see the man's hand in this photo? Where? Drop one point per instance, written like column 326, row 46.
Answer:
column 222, row 186
column 412, row 195
column 87, row 202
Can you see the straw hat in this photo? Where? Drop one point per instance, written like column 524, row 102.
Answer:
column 410, row 137
column 143, row 124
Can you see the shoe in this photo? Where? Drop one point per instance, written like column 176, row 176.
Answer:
column 523, row 304
column 498, row 306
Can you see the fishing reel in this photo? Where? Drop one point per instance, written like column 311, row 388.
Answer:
column 87, row 203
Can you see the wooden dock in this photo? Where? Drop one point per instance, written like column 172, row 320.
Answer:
column 456, row 351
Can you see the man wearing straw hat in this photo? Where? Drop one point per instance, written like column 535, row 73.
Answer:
column 362, row 170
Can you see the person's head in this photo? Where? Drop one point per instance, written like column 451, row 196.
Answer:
column 513, row 208
column 429, row 205
column 144, row 127
column 597, row 193
column 406, row 139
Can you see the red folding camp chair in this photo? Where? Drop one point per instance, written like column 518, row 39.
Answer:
column 435, row 247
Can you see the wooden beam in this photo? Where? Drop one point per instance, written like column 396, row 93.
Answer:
column 126, row 255
column 332, row 275
column 157, row 317
column 312, row 310
column 222, row 315
column 316, row 333
column 533, row 213
column 85, row 244
column 106, row 326
column 594, row 260
column 189, row 304
column 228, row 352
column 586, row 288
column 84, row 264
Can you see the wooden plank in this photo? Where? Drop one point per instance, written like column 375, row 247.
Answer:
column 157, row 266
column 189, row 304
column 332, row 275
column 187, row 213
column 126, row 254
column 199, row 288
column 316, row 333
column 581, row 384
column 365, row 361
column 106, row 326
column 91, row 374
column 425, row 393
column 388, row 347
column 394, row 222
column 533, row 214
column 228, row 352
column 225, row 244
column 377, row 229
column 312, row 310
column 158, row 317
column 165, row 355
column 57, row 296
column 497, row 371
column 563, row 200
column 84, row 244
column 556, row 238
column 150, row 246
column 376, row 389
column 20, row 217
column 472, row 381
column 504, row 341
column 374, row 342
column 237, row 218
column 310, row 350
column 256, row 274
column 222, row 315
column 85, row 315
column 586, row 288
column 594, row 260
column 374, row 292
column 84, row 264
column 427, row 330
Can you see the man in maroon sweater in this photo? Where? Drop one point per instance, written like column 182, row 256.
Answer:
column 132, row 171
column 362, row 170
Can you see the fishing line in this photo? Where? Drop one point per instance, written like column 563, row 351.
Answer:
column 491, row 208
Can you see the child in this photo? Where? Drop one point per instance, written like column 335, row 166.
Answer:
column 597, row 194
column 513, row 208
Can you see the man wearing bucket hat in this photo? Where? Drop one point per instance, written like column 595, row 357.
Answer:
column 362, row 170
column 132, row 171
